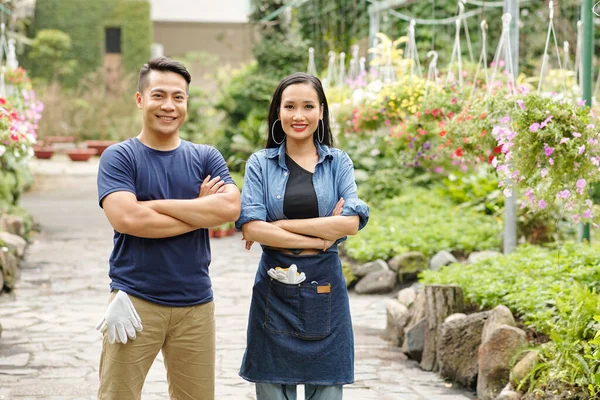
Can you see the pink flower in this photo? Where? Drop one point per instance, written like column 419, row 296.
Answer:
column 507, row 192
column 529, row 193
column 587, row 213
column 500, row 183
column 564, row 194
column 581, row 184
column 581, row 103
column 534, row 127
column 521, row 104
column 576, row 218
column 551, row 161
column 544, row 172
column 576, row 134
column 505, row 120
column 542, row 204
column 591, row 126
column 581, row 150
column 595, row 226
column 546, row 121
column 548, row 150
column 564, row 140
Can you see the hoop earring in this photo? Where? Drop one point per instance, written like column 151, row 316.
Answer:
column 273, row 133
column 320, row 137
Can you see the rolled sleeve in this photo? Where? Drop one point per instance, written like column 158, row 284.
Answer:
column 347, row 189
column 356, row 206
column 253, row 194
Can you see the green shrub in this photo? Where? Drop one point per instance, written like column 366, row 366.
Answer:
column 416, row 220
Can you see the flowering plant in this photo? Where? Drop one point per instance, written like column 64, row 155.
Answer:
column 390, row 105
column 550, row 150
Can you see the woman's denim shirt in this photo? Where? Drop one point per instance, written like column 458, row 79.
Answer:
column 266, row 178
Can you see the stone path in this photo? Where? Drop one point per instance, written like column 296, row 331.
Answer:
column 50, row 350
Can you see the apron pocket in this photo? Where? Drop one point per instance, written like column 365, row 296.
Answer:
column 302, row 310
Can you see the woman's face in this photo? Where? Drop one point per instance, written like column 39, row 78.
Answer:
column 300, row 111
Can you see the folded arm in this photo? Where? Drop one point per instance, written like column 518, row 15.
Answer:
column 127, row 216
column 271, row 235
column 202, row 212
column 330, row 228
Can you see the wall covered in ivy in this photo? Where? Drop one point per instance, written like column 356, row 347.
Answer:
column 85, row 22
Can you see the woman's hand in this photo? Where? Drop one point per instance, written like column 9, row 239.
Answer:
column 337, row 210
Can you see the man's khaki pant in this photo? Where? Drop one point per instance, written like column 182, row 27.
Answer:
column 186, row 336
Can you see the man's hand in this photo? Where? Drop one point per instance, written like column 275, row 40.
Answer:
column 211, row 186
column 121, row 320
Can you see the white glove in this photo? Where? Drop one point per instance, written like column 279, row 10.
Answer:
column 287, row 275
column 120, row 319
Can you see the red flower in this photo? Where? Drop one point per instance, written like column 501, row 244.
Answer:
column 498, row 149
column 482, row 116
column 450, row 114
column 442, row 133
column 458, row 152
column 490, row 158
column 483, row 132
column 466, row 140
column 2, row 101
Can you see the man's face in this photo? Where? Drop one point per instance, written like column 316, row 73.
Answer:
column 163, row 102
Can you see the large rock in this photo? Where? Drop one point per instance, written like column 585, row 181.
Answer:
column 376, row 282
column 442, row 258
column 9, row 267
column 442, row 301
column 408, row 265
column 500, row 315
column 16, row 244
column 407, row 296
column 12, row 224
column 523, row 367
column 363, row 270
column 495, row 355
column 458, row 342
column 414, row 340
column 397, row 319
column 508, row 393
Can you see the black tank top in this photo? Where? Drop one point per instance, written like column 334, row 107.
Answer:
column 300, row 200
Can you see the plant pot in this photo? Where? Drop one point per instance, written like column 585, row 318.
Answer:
column 80, row 154
column 43, row 153
column 99, row 145
column 59, row 139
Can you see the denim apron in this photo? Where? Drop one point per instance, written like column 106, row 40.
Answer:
column 302, row 333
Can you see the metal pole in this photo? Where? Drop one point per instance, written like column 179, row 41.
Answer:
column 510, row 206
column 587, row 50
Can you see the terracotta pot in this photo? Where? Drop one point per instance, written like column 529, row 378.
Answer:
column 99, row 145
column 80, row 154
column 232, row 231
column 43, row 153
column 59, row 139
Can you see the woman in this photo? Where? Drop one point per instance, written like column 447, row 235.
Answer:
column 299, row 202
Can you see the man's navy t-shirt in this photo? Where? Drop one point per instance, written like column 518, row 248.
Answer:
column 171, row 271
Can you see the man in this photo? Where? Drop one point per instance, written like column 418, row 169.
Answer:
column 160, row 193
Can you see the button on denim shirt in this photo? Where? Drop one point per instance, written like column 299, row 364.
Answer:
column 266, row 178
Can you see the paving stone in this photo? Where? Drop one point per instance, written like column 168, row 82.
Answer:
column 17, row 360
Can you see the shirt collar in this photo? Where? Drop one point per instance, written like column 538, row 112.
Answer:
column 279, row 152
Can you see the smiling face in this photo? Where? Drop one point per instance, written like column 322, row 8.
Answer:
column 163, row 102
column 300, row 111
